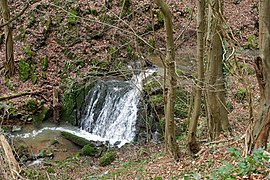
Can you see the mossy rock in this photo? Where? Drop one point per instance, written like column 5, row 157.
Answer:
column 76, row 139
column 68, row 107
column 38, row 119
column 73, row 101
column 24, row 70
column 107, row 158
column 89, row 150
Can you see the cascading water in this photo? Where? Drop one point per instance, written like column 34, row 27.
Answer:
column 111, row 110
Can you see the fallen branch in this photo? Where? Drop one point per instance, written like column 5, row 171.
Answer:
column 12, row 163
column 18, row 15
column 226, row 140
column 3, row 98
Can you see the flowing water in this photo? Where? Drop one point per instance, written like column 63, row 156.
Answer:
column 112, row 109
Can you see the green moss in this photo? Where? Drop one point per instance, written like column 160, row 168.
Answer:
column 240, row 95
column 28, row 53
column 38, row 119
column 76, row 139
column 152, row 43
column 151, row 85
column 107, row 158
column 88, row 150
column 54, row 142
column 68, row 107
column 9, row 85
column 44, row 63
column 30, row 105
column 50, row 170
column 43, row 75
column 160, row 17
column 73, row 15
column 157, row 99
column 24, row 70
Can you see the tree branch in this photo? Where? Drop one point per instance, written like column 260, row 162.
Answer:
column 14, row 18
column 3, row 98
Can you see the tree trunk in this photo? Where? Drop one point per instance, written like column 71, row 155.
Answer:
column 56, row 106
column 215, row 95
column 9, row 56
column 262, row 125
column 170, row 139
column 192, row 143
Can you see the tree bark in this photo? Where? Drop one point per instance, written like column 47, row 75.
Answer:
column 262, row 125
column 215, row 94
column 9, row 64
column 192, row 143
column 170, row 139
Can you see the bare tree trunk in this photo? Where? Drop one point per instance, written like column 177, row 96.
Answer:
column 261, row 128
column 170, row 139
column 215, row 95
column 9, row 56
column 192, row 143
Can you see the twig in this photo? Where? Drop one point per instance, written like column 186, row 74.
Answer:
column 48, row 176
column 225, row 140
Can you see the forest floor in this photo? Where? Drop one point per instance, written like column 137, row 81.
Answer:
column 47, row 30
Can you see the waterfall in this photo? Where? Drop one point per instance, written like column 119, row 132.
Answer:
column 111, row 108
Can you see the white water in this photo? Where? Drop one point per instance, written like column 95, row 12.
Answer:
column 117, row 119
column 76, row 131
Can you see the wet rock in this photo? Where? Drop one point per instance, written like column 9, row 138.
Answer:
column 16, row 128
column 116, row 143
